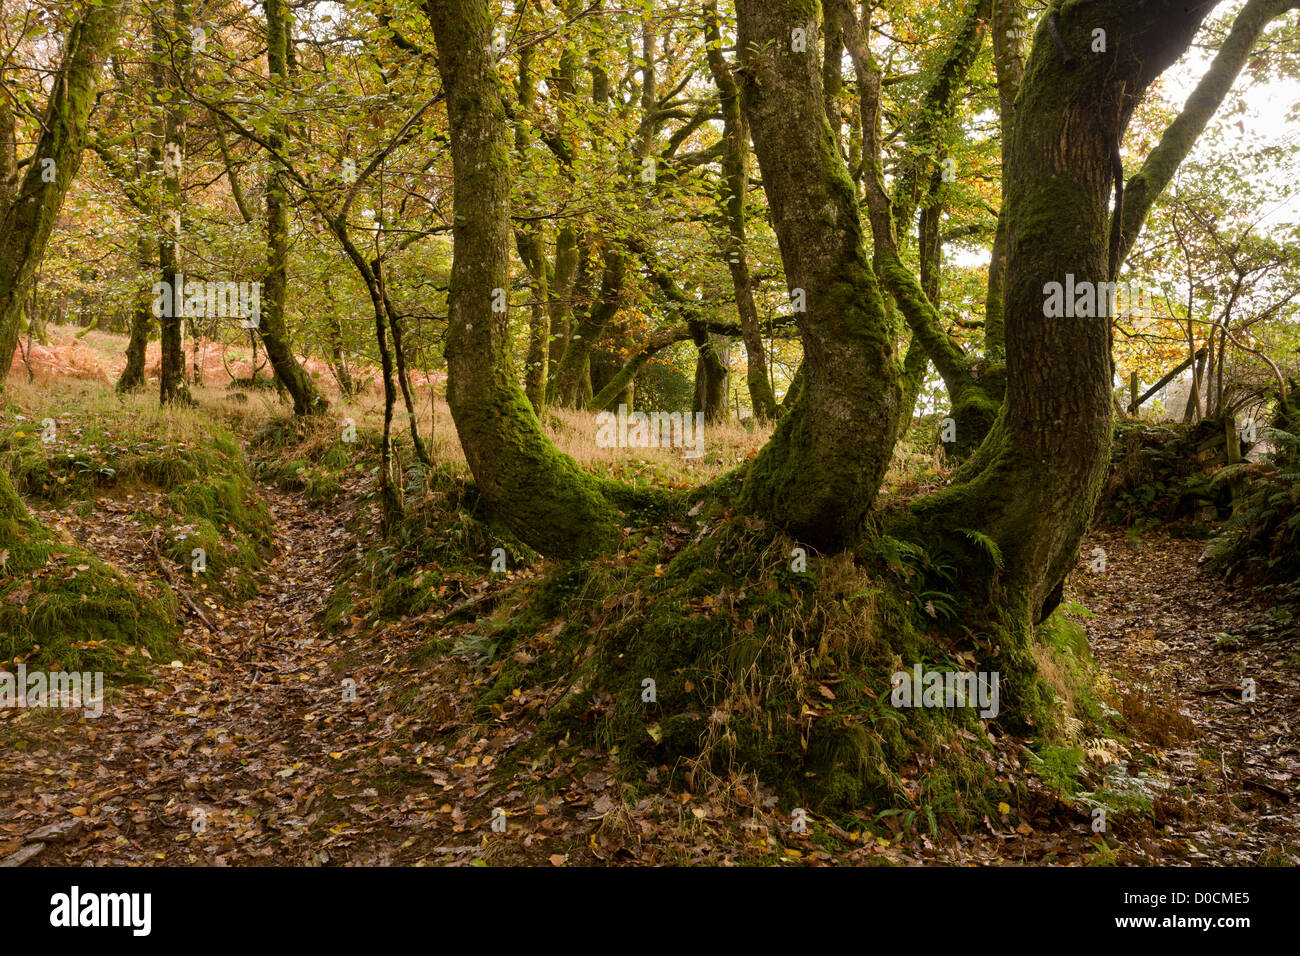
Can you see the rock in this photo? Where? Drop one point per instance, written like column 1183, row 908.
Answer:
column 57, row 832
column 22, row 855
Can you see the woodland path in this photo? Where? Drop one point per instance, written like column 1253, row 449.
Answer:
column 1179, row 641
column 252, row 753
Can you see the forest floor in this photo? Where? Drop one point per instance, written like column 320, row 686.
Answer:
column 257, row 752
column 278, row 740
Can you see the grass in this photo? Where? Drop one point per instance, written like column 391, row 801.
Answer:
column 77, row 441
column 62, row 608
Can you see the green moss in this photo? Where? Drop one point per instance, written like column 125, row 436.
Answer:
column 444, row 539
column 743, row 653
column 198, row 464
column 61, row 606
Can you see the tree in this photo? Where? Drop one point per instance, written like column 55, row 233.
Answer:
column 29, row 217
column 306, row 399
column 539, row 493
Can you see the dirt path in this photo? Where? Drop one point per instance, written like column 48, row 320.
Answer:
column 280, row 745
column 1179, row 643
column 219, row 760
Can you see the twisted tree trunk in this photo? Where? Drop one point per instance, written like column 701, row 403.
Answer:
column 540, row 494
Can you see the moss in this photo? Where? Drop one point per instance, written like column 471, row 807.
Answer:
column 61, row 606
column 444, row 538
column 199, row 465
column 743, row 653
column 974, row 413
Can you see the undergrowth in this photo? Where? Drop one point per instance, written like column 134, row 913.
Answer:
column 62, row 608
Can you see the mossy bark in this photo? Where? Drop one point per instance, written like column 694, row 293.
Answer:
column 820, row 473
column 574, row 365
column 531, row 243
column 1008, row 27
column 540, row 494
column 132, row 376
column 735, row 181
column 169, row 156
column 971, row 406
column 710, row 375
column 28, row 220
column 271, row 325
column 334, row 334
column 1032, row 484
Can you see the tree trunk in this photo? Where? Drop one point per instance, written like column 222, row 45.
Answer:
column 972, row 407
column 562, row 278
column 29, row 218
column 820, row 473
column 735, row 180
column 271, row 324
column 540, row 494
column 1031, row 486
column 399, row 354
column 531, row 243
column 710, row 376
column 170, row 157
column 1008, row 30
column 334, row 331
column 574, row 365
column 132, row 376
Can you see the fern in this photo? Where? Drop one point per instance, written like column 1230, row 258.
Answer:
column 1240, row 469
column 987, row 543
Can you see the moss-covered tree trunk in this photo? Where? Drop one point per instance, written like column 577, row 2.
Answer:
column 540, row 494
column 620, row 383
column 28, row 220
column 334, row 334
column 531, row 242
column 1031, row 486
column 1009, row 63
column 561, row 279
column 970, row 405
column 711, row 374
column 735, row 180
column 8, row 147
column 532, row 250
column 820, row 473
column 575, row 364
column 275, row 286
